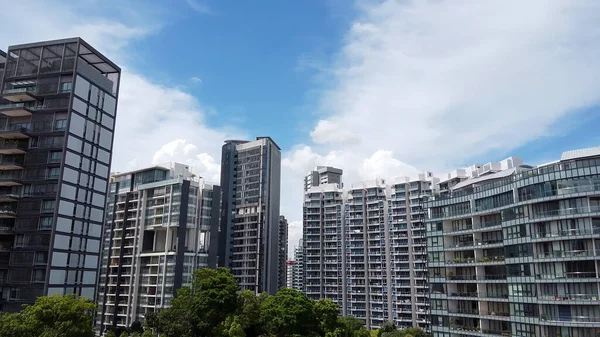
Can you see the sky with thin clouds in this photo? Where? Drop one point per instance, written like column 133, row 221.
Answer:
column 378, row 88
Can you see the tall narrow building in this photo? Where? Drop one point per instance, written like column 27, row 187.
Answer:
column 407, row 251
column 57, row 117
column 298, row 281
column 322, row 230
column 155, row 237
column 248, row 237
column 513, row 250
column 283, row 256
column 366, row 286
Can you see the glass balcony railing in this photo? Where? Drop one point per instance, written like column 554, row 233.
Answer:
column 579, row 275
column 568, row 254
column 570, row 319
column 30, row 90
column 569, row 297
column 565, row 212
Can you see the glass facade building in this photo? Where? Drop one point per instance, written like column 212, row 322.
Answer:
column 514, row 250
column 57, row 117
column 156, row 236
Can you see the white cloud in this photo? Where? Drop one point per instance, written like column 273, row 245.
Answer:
column 195, row 79
column 154, row 122
column 200, row 6
column 438, row 82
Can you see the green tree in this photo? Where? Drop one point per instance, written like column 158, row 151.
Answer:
column 51, row 316
column 327, row 312
column 288, row 313
column 124, row 334
column 387, row 327
column 236, row 330
column 147, row 333
column 200, row 309
column 136, row 326
column 248, row 312
column 136, row 334
column 110, row 333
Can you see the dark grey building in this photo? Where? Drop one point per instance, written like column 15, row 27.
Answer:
column 248, row 237
column 283, row 256
column 56, row 136
column 156, row 236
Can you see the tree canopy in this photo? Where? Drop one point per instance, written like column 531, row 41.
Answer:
column 212, row 306
column 51, row 316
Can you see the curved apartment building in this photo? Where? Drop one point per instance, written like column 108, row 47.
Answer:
column 514, row 250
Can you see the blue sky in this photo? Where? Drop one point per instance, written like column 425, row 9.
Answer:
column 380, row 88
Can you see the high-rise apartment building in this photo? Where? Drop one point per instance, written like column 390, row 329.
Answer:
column 155, row 238
column 57, row 116
column 381, row 273
column 407, row 250
column 248, row 237
column 322, row 235
column 298, row 281
column 323, row 175
column 289, row 282
column 513, row 250
column 283, row 246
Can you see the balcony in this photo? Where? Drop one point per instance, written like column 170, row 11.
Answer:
column 19, row 94
column 579, row 298
column 12, row 147
column 11, row 163
column 10, row 179
column 15, row 110
column 15, row 131
column 7, row 211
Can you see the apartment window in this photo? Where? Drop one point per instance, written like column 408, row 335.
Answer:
column 54, row 156
column 60, row 125
column 19, row 240
column 41, row 258
column 53, row 173
column 39, row 275
column 45, row 223
column 48, row 206
column 66, row 86
column 13, row 294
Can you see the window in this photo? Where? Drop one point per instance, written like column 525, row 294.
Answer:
column 54, row 156
column 39, row 275
column 48, row 206
column 41, row 258
column 66, row 87
column 46, row 223
column 13, row 294
column 60, row 125
column 19, row 240
column 53, row 173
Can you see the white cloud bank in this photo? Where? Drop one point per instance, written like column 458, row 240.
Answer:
column 436, row 83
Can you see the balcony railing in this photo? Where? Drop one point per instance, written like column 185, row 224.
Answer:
column 567, row 232
column 568, row 254
column 573, row 319
column 30, row 90
column 569, row 297
column 566, row 275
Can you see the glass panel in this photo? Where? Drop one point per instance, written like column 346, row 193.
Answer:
column 82, row 88
column 74, row 144
column 91, row 261
column 105, row 138
column 57, row 276
column 59, row 259
column 103, row 156
column 109, row 105
column 63, row 225
column 68, row 191
column 60, row 242
column 70, row 175
column 79, row 106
